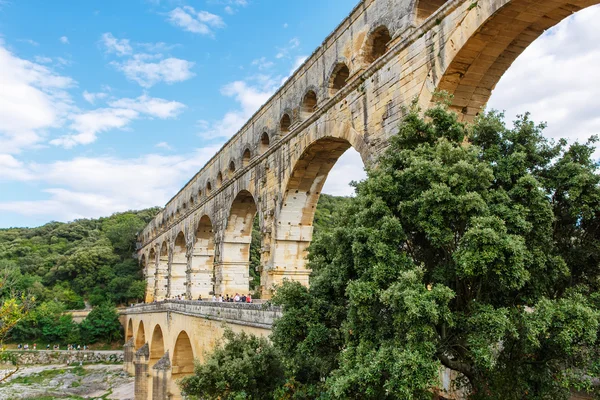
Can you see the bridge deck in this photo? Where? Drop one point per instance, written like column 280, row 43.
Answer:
column 259, row 315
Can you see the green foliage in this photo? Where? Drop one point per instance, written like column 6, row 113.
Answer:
column 243, row 367
column 101, row 324
column 480, row 256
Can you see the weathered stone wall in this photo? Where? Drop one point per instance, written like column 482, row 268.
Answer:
column 46, row 357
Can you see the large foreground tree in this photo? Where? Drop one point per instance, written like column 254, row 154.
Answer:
column 470, row 247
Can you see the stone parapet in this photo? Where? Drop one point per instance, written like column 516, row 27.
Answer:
column 47, row 357
column 256, row 315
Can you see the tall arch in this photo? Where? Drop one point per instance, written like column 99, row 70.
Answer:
column 233, row 274
column 150, row 272
column 162, row 273
column 309, row 104
column 183, row 362
column 246, row 157
column 377, row 44
column 425, row 8
column 140, row 337
column 493, row 35
column 157, row 345
column 178, row 278
column 294, row 223
column 265, row 142
column 339, row 77
column 285, row 123
column 203, row 259
column 129, row 332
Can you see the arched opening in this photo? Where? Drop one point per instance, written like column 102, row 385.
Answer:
column 233, row 276
column 473, row 70
column 157, row 346
column 377, row 44
column 150, row 272
column 339, row 78
column 183, row 362
column 294, row 225
column 309, row 104
column 246, row 158
column 129, row 333
column 162, row 273
column 208, row 188
column 219, row 179
column 179, row 268
column 264, row 142
column 140, row 338
column 286, row 122
column 425, row 8
column 203, row 259
column 231, row 171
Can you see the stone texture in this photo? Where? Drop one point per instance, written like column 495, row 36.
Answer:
column 44, row 357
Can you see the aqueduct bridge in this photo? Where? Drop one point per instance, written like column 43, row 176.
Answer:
column 351, row 92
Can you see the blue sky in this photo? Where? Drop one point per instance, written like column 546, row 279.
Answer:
column 110, row 105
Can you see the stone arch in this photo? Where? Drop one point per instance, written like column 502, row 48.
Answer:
column 285, row 123
column 484, row 48
column 140, row 337
column 425, row 8
column 129, row 332
column 178, row 278
column 309, row 103
column 150, row 272
column 157, row 345
column 265, row 142
column 246, row 157
column 234, row 276
column 203, row 259
column 231, row 170
column 162, row 272
column 208, row 188
column 338, row 77
column 377, row 44
column 294, row 219
column 219, row 179
column 183, row 361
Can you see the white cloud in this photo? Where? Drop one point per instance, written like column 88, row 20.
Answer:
column 148, row 74
column 92, row 187
column 201, row 22
column 33, row 99
column 87, row 125
column 249, row 97
column 229, row 10
column 111, row 44
column 92, row 97
column 163, row 145
column 64, row 40
column 283, row 52
column 555, row 79
column 42, row 60
column 262, row 63
column 349, row 167
column 28, row 41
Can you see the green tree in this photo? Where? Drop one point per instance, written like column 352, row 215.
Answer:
column 101, row 325
column 474, row 248
column 242, row 367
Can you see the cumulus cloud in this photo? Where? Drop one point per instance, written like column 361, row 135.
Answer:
column 200, row 22
column 103, row 185
column 92, row 97
column 87, row 125
column 111, row 44
column 64, row 40
column 33, row 99
column 555, row 78
column 148, row 73
column 283, row 52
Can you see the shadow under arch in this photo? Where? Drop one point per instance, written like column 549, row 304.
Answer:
column 129, row 333
column 157, row 346
column 183, row 362
column 493, row 35
column 150, row 272
column 162, row 273
column 140, row 337
column 178, row 278
column 233, row 275
column 203, row 259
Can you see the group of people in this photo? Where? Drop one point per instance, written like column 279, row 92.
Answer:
column 235, row 299
column 54, row 347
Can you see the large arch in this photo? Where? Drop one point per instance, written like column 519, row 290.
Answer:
column 162, row 273
column 157, row 346
column 140, row 337
column 203, row 259
column 425, row 8
column 492, row 35
column 183, row 362
column 233, row 275
column 178, row 278
column 150, row 272
column 294, row 222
